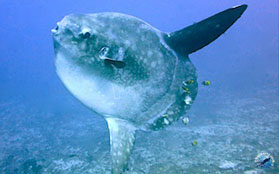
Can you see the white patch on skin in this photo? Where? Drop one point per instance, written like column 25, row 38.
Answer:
column 153, row 64
column 166, row 121
column 94, row 31
column 131, row 140
column 133, row 47
column 82, row 46
column 146, row 26
column 149, row 53
column 170, row 112
column 188, row 100
column 127, row 43
column 120, row 54
column 84, row 30
column 111, row 35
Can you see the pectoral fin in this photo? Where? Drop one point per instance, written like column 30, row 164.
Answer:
column 121, row 143
column 116, row 63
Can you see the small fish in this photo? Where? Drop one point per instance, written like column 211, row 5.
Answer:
column 186, row 89
column 189, row 82
column 185, row 120
column 194, row 143
column 206, row 83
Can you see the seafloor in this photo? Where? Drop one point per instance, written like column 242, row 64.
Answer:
column 231, row 128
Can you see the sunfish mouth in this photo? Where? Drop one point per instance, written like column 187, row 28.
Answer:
column 55, row 30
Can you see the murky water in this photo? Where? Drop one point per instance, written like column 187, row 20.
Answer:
column 43, row 129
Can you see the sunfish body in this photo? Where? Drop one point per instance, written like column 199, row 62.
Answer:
column 132, row 74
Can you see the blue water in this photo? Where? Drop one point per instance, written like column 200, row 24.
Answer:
column 43, row 129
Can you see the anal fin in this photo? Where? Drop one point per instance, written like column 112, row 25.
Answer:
column 122, row 137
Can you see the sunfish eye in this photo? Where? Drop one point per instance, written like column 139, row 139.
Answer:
column 85, row 33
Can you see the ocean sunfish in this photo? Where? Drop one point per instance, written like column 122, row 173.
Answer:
column 130, row 73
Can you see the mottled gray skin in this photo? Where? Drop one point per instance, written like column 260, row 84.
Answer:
column 147, row 92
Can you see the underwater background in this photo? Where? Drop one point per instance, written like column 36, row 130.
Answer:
column 44, row 129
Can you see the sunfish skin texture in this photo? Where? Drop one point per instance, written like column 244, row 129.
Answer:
column 130, row 73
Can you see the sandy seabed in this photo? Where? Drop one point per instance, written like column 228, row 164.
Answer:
column 230, row 130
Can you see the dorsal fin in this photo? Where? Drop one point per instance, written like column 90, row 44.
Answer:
column 198, row 35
